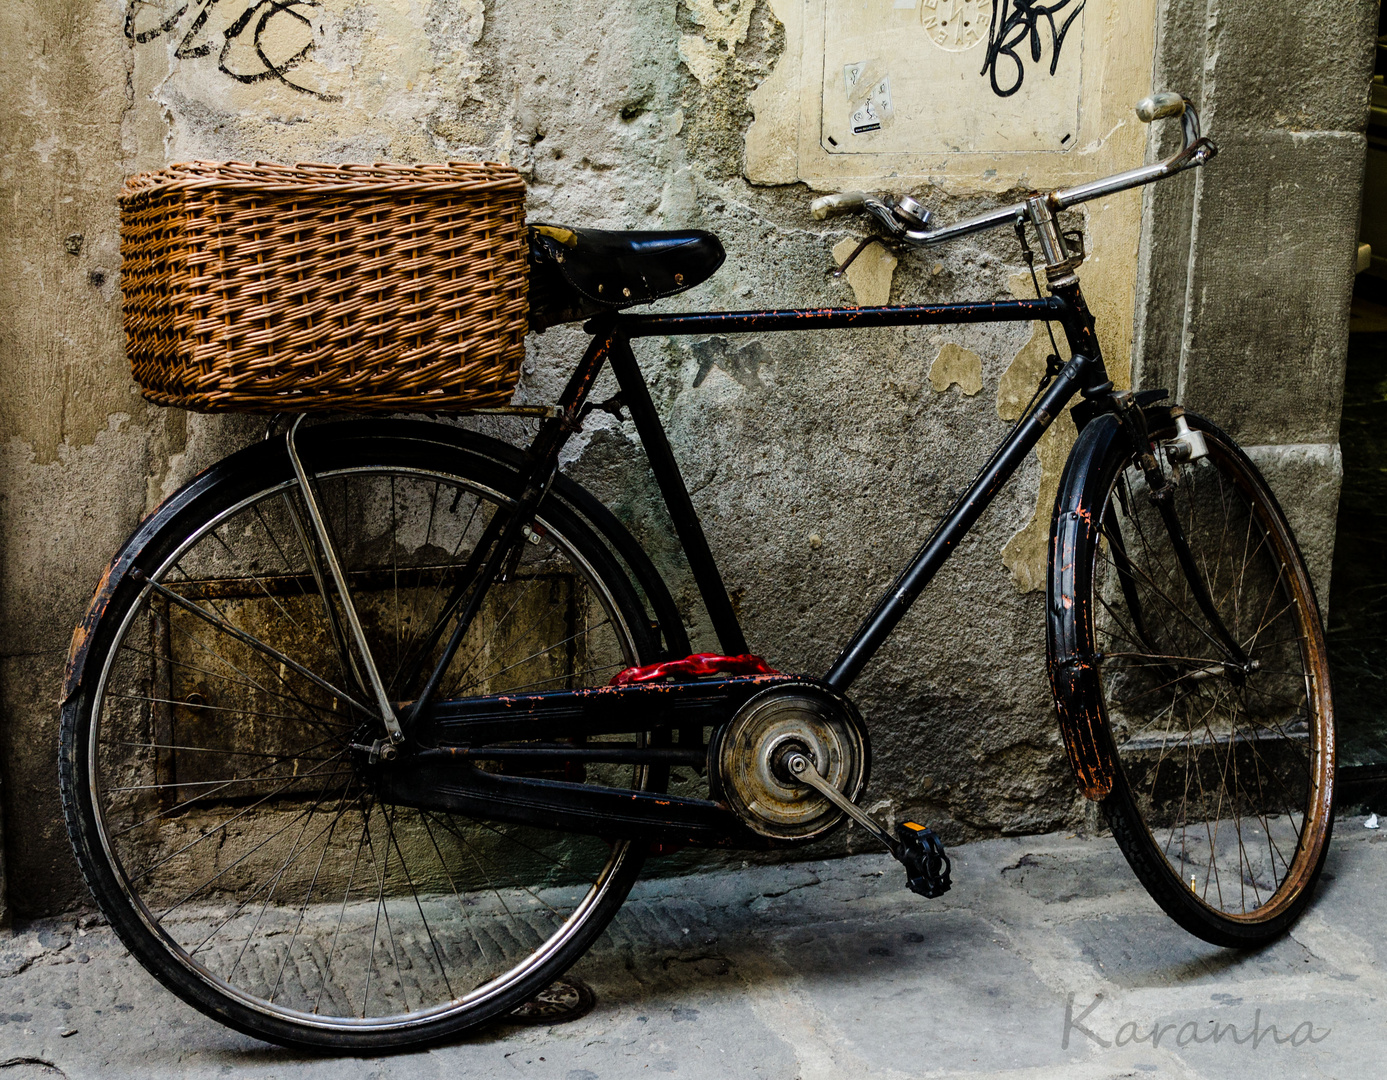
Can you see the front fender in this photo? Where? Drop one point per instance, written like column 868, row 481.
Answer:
column 1074, row 679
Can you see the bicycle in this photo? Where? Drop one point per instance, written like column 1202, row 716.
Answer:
column 370, row 727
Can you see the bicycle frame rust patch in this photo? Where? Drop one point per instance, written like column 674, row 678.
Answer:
column 1071, row 655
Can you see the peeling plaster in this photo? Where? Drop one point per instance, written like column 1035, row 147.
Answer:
column 772, row 149
column 870, row 273
column 956, row 366
column 725, row 25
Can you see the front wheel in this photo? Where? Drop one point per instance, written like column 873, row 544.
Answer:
column 214, row 784
column 1222, row 739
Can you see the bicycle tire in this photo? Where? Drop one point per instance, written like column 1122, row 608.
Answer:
column 1212, row 762
column 214, row 512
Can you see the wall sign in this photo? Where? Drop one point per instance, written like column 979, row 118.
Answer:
column 992, row 91
column 966, row 76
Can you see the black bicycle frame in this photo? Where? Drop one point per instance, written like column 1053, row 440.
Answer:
column 550, row 728
column 611, row 343
column 1084, row 373
column 447, row 737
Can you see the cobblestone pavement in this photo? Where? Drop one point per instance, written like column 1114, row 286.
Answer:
column 1046, row 960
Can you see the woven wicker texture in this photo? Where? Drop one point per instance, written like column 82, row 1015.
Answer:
column 267, row 288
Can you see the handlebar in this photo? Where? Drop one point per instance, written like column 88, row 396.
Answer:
column 1195, row 151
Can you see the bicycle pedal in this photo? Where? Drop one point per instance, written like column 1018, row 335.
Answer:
column 926, row 865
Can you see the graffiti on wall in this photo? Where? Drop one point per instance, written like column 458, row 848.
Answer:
column 1018, row 23
column 951, row 76
column 253, row 40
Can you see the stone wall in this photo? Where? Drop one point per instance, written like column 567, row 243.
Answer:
column 818, row 463
column 1248, row 272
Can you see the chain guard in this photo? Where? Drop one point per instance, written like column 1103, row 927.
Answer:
column 743, row 755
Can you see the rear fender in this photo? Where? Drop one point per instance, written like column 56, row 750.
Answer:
column 259, row 457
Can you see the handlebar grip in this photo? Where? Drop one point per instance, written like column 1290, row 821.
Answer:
column 1159, row 106
column 845, row 202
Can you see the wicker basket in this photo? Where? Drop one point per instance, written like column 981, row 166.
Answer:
column 266, row 288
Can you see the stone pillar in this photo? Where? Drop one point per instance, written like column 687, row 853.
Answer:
column 1248, row 271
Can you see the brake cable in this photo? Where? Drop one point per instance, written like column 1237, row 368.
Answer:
column 1053, row 364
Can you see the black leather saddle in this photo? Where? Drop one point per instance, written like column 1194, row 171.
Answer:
column 577, row 273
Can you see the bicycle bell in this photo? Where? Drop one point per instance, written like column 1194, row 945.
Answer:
column 910, row 212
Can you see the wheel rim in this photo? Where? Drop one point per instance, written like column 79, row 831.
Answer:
column 232, row 812
column 1227, row 768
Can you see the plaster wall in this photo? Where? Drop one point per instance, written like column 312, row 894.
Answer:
column 818, row 462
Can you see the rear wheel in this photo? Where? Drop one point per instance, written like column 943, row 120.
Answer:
column 220, row 815
column 1223, row 796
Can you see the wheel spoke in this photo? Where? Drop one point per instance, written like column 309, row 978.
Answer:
column 254, row 642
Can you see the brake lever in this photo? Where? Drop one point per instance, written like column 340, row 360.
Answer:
column 866, row 243
column 885, row 216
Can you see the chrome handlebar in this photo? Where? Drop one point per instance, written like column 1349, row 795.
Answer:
column 898, row 213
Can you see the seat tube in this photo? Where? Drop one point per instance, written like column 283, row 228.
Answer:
column 502, row 532
column 635, row 394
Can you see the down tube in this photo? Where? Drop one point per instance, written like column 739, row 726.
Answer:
column 892, row 607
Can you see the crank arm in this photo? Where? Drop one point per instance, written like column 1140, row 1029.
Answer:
column 804, row 771
column 915, row 847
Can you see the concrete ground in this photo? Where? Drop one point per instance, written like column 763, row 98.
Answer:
column 1046, row 960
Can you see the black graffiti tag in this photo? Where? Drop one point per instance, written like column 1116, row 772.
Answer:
column 248, row 30
column 1013, row 21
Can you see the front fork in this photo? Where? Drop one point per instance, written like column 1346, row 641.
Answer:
column 1187, row 446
